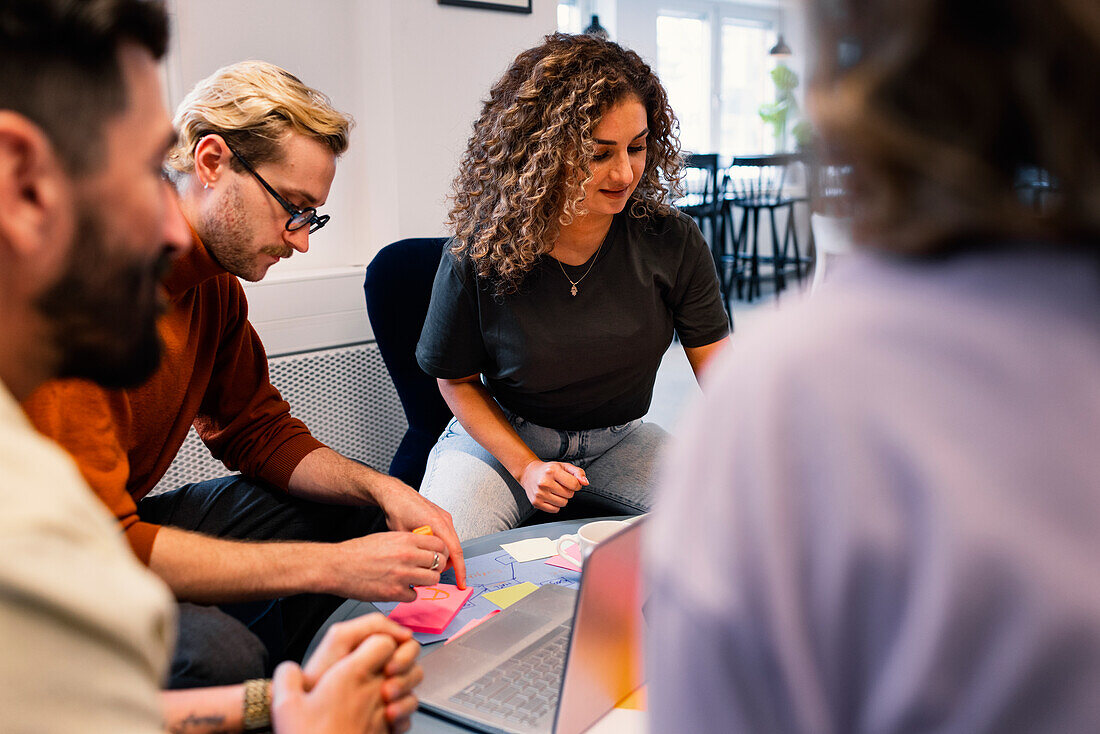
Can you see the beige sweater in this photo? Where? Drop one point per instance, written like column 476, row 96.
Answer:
column 85, row 629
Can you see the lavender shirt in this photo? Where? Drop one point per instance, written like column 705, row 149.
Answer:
column 885, row 517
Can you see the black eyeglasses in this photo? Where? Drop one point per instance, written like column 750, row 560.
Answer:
column 298, row 217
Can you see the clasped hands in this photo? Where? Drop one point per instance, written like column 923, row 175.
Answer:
column 360, row 678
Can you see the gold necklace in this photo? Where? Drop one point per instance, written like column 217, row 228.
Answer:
column 574, row 283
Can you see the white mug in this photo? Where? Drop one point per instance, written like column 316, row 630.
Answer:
column 590, row 535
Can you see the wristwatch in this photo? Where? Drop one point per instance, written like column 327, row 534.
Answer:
column 257, row 705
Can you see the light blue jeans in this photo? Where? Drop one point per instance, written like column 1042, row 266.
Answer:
column 482, row 497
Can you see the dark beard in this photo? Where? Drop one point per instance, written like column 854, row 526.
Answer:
column 104, row 310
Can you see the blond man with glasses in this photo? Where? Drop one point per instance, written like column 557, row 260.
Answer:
column 280, row 544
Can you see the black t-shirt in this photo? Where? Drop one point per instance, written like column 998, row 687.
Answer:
column 585, row 361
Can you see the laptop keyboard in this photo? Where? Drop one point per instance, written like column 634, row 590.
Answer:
column 524, row 688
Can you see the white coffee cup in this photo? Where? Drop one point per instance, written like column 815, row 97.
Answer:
column 589, row 536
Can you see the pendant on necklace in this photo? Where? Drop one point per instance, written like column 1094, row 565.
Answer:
column 573, row 290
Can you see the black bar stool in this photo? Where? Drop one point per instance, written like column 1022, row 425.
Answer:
column 754, row 184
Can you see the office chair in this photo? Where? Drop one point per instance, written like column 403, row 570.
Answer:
column 398, row 288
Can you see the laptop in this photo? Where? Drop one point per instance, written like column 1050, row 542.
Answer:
column 557, row 660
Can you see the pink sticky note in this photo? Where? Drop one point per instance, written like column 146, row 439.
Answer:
column 565, row 563
column 470, row 625
column 434, row 608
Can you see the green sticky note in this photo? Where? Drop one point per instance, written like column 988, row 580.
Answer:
column 506, row 597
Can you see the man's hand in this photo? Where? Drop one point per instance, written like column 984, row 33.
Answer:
column 551, row 484
column 406, row 509
column 326, row 476
column 401, row 671
column 348, row 697
column 382, row 566
column 343, row 637
column 402, row 676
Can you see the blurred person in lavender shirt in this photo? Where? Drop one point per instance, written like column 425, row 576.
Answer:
column 886, row 517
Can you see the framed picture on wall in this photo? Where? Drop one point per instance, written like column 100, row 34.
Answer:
column 513, row 6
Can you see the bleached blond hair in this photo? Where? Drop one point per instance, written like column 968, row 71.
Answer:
column 252, row 105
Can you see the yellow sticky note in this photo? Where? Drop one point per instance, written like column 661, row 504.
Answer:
column 506, row 597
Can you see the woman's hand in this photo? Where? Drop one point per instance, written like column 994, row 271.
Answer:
column 551, row 484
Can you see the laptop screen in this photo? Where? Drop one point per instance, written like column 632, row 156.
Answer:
column 605, row 662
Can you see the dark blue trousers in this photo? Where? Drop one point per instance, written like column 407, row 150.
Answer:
column 234, row 642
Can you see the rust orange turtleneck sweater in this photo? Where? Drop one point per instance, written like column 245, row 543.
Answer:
column 213, row 374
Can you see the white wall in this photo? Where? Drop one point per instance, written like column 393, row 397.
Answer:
column 413, row 74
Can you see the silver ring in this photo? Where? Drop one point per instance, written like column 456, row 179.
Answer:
column 435, row 562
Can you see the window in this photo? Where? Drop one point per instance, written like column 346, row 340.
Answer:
column 683, row 63
column 714, row 62
column 569, row 16
column 745, row 86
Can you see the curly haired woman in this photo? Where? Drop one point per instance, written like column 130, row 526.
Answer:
column 566, row 276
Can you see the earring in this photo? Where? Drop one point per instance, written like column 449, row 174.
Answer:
column 205, row 186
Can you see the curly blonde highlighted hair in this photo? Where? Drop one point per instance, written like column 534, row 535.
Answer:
column 252, row 104
column 523, row 174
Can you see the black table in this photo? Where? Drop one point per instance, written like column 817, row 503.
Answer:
column 423, row 721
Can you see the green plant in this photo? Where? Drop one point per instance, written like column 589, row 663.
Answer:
column 784, row 108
